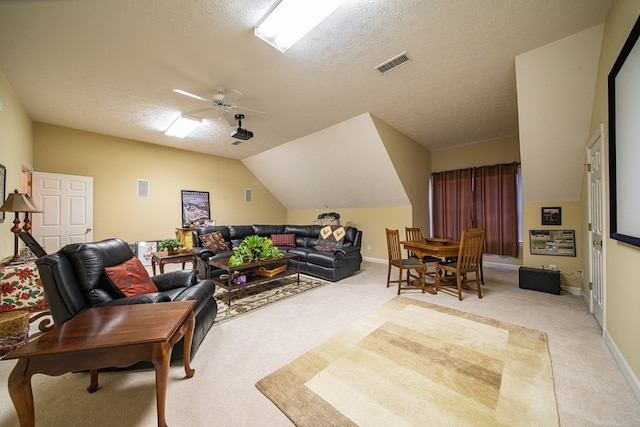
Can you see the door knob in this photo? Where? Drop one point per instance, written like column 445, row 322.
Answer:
column 88, row 230
column 597, row 243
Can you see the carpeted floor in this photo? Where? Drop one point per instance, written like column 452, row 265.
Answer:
column 590, row 388
column 414, row 363
column 246, row 299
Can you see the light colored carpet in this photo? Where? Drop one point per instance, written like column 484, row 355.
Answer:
column 249, row 298
column 414, row 363
column 590, row 389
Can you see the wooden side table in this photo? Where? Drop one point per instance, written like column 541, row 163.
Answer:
column 162, row 258
column 145, row 332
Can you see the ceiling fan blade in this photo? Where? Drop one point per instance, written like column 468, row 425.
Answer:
column 231, row 96
column 184, row 92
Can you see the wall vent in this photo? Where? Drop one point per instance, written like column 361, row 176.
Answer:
column 394, row 62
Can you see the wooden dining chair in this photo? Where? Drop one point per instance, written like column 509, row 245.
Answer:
column 403, row 264
column 481, row 254
column 468, row 261
column 415, row 233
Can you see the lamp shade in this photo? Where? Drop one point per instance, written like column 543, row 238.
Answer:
column 19, row 202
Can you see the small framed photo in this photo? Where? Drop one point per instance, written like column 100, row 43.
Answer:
column 552, row 216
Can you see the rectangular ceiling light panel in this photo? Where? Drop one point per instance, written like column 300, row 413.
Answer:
column 183, row 126
column 291, row 20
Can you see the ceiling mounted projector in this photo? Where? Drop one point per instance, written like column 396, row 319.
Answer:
column 239, row 133
column 242, row 134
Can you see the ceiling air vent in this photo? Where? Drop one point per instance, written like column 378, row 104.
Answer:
column 393, row 63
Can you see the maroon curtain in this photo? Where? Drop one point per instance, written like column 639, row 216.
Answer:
column 496, row 207
column 452, row 203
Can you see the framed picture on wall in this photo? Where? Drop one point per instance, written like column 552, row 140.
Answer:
column 196, row 210
column 553, row 242
column 552, row 216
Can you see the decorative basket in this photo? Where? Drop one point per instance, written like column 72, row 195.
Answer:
column 14, row 330
column 270, row 273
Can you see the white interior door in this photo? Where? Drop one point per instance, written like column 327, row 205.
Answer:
column 595, row 155
column 66, row 202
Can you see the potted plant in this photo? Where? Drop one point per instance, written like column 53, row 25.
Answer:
column 254, row 248
column 172, row 246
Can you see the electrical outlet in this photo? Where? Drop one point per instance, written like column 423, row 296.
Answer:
column 368, row 247
column 553, row 267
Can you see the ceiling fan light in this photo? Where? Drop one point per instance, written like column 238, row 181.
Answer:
column 291, row 20
column 183, row 126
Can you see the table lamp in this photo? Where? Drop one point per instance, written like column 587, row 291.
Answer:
column 19, row 202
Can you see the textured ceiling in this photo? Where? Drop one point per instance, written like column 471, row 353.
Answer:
column 109, row 66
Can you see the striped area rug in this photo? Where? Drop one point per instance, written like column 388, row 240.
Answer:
column 411, row 363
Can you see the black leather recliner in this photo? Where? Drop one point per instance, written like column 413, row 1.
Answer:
column 74, row 280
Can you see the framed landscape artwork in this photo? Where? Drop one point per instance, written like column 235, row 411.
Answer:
column 196, row 210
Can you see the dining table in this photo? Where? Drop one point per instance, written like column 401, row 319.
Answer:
column 439, row 248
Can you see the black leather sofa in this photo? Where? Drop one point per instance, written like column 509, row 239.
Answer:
column 329, row 265
column 74, row 280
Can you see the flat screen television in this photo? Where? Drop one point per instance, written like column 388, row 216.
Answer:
column 624, row 141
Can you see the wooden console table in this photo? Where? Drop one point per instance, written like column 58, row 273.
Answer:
column 144, row 332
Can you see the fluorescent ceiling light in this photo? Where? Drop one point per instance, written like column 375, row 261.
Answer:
column 183, row 126
column 291, row 20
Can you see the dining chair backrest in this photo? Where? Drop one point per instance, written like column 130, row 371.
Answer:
column 393, row 246
column 413, row 233
column 470, row 252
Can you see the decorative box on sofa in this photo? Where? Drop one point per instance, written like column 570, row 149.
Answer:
column 332, row 265
column 74, row 280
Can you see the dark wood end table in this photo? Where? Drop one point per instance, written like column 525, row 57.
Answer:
column 102, row 338
column 162, row 258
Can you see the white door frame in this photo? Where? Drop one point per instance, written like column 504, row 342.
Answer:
column 595, row 151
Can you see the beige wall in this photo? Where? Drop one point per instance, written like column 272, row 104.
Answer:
column 371, row 221
column 571, row 220
column 412, row 163
column 622, row 292
column 116, row 164
column 16, row 151
column 496, row 152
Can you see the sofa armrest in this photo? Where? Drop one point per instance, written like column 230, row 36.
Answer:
column 138, row 299
column 348, row 250
column 204, row 253
column 175, row 279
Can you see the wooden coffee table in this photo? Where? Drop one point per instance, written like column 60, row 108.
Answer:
column 102, row 338
column 249, row 270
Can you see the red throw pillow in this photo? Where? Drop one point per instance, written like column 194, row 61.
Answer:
column 130, row 278
column 214, row 241
column 283, row 239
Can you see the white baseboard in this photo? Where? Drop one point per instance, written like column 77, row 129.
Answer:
column 628, row 373
column 572, row 290
column 376, row 260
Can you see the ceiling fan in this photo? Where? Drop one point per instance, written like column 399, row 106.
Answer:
column 223, row 102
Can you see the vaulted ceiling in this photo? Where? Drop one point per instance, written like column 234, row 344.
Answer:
column 110, row 66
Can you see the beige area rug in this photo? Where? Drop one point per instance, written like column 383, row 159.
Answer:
column 412, row 363
column 250, row 298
